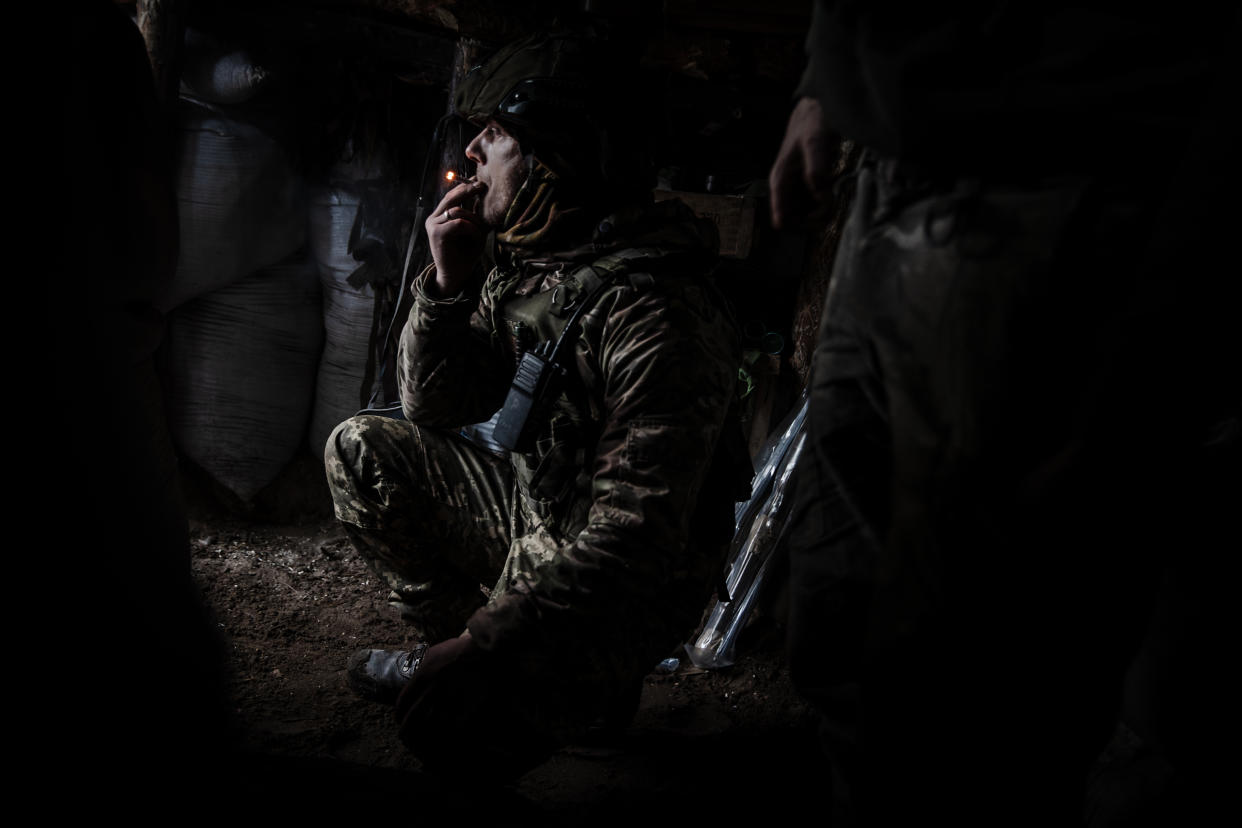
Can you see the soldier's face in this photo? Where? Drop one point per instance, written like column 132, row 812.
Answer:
column 500, row 167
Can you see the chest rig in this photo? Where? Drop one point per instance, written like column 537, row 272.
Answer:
column 546, row 326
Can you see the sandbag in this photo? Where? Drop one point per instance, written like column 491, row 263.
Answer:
column 221, row 72
column 241, row 205
column 240, row 365
column 349, row 305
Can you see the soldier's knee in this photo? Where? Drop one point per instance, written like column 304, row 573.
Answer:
column 365, row 445
column 341, row 442
column 344, row 449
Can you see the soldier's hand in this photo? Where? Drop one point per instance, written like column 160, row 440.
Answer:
column 446, row 699
column 456, row 235
column 470, row 714
column 801, row 176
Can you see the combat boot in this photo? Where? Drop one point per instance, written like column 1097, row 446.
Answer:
column 381, row 675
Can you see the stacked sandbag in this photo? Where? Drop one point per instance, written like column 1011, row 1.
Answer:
column 219, row 71
column 240, row 202
column 240, row 364
column 349, row 301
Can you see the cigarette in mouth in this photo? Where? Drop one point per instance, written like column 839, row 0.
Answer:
column 453, row 176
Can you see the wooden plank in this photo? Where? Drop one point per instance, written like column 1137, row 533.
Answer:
column 734, row 217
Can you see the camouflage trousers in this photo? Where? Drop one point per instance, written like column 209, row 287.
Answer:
column 437, row 518
column 431, row 513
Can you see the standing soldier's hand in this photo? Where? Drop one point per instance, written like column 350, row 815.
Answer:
column 456, row 235
column 801, row 176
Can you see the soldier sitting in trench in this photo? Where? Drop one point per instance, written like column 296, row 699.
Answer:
column 601, row 533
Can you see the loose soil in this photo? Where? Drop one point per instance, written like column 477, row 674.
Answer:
column 291, row 601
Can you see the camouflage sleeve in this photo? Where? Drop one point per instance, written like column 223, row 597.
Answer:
column 449, row 371
column 669, row 368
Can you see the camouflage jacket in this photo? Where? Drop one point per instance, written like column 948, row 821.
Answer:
column 626, row 502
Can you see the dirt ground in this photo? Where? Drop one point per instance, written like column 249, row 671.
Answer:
column 292, row 601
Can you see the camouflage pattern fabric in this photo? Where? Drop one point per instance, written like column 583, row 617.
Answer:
column 429, row 512
column 605, row 545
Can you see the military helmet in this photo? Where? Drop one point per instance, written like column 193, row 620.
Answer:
column 562, row 96
column 530, row 84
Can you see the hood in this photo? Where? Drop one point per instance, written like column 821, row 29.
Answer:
column 555, row 233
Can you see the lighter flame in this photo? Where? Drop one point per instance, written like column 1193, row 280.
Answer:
column 450, row 175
